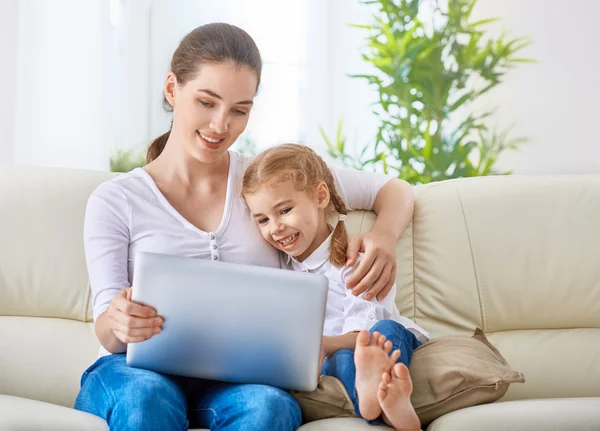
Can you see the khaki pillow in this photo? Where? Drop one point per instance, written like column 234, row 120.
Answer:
column 448, row 374
column 329, row 400
column 452, row 373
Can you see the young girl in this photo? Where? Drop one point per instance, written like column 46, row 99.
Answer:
column 292, row 196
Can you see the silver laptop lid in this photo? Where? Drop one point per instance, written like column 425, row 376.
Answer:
column 231, row 322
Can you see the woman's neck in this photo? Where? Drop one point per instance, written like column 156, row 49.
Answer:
column 175, row 164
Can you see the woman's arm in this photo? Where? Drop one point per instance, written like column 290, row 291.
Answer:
column 394, row 208
column 118, row 321
column 393, row 202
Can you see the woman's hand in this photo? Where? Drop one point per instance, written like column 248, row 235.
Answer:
column 376, row 271
column 131, row 322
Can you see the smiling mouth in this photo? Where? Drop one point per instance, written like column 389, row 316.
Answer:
column 213, row 143
column 286, row 242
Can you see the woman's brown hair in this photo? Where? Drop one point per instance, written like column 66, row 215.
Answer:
column 208, row 44
column 306, row 169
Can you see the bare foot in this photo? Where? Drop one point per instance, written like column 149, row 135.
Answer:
column 394, row 398
column 371, row 359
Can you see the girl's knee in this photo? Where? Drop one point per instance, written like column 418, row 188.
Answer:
column 386, row 327
column 342, row 354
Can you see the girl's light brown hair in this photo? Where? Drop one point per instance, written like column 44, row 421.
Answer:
column 213, row 43
column 306, row 169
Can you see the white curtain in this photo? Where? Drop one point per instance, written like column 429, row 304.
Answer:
column 60, row 109
column 88, row 75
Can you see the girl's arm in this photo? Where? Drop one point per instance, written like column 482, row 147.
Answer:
column 332, row 344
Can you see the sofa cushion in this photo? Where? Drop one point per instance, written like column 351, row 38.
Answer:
column 451, row 373
column 558, row 414
column 329, row 400
column 43, row 359
column 346, row 424
column 23, row 414
column 42, row 264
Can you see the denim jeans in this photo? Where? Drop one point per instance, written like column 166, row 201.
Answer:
column 135, row 399
column 341, row 363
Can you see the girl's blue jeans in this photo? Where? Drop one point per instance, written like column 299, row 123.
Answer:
column 135, row 399
column 341, row 364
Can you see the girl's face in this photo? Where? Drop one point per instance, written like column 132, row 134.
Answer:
column 291, row 220
column 212, row 110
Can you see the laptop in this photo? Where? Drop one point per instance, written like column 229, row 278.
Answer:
column 230, row 322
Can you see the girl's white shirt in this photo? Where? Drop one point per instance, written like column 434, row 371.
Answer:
column 344, row 311
column 129, row 214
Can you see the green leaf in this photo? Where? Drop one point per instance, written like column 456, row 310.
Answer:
column 484, row 22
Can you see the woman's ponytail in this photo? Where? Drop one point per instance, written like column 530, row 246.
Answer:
column 157, row 146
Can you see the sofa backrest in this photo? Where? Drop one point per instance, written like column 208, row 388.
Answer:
column 519, row 257
column 45, row 342
column 515, row 256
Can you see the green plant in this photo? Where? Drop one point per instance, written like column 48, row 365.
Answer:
column 247, row 146
column 427, row 75
column 127, row 160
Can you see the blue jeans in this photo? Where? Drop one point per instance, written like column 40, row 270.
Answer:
column 135, row 399
column 341, row 364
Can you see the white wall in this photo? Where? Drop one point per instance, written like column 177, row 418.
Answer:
column 61, row 114
column 8, row 75
column 555, row 102
column 335, row 52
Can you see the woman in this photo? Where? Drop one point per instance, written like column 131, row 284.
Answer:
column 186, row 201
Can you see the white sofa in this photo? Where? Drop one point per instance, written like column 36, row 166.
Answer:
column 516, row 256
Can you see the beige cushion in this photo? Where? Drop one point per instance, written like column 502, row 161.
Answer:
column 507, row 253
column 346, row 424
column 22, row 414
column 535, row 354
column 18, row 414
column 558, row 414
column 451, row 373
column 329, row 400
column 43, row 358
column 42, row 264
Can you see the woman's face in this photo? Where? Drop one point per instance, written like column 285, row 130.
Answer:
column 212, row 110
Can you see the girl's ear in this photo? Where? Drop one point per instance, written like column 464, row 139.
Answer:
column 170, row 86
column 322, row 195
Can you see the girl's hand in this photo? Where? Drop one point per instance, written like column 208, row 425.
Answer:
column 325, row 351
column 322, row 359
column 376, row 271
column 132, row 322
